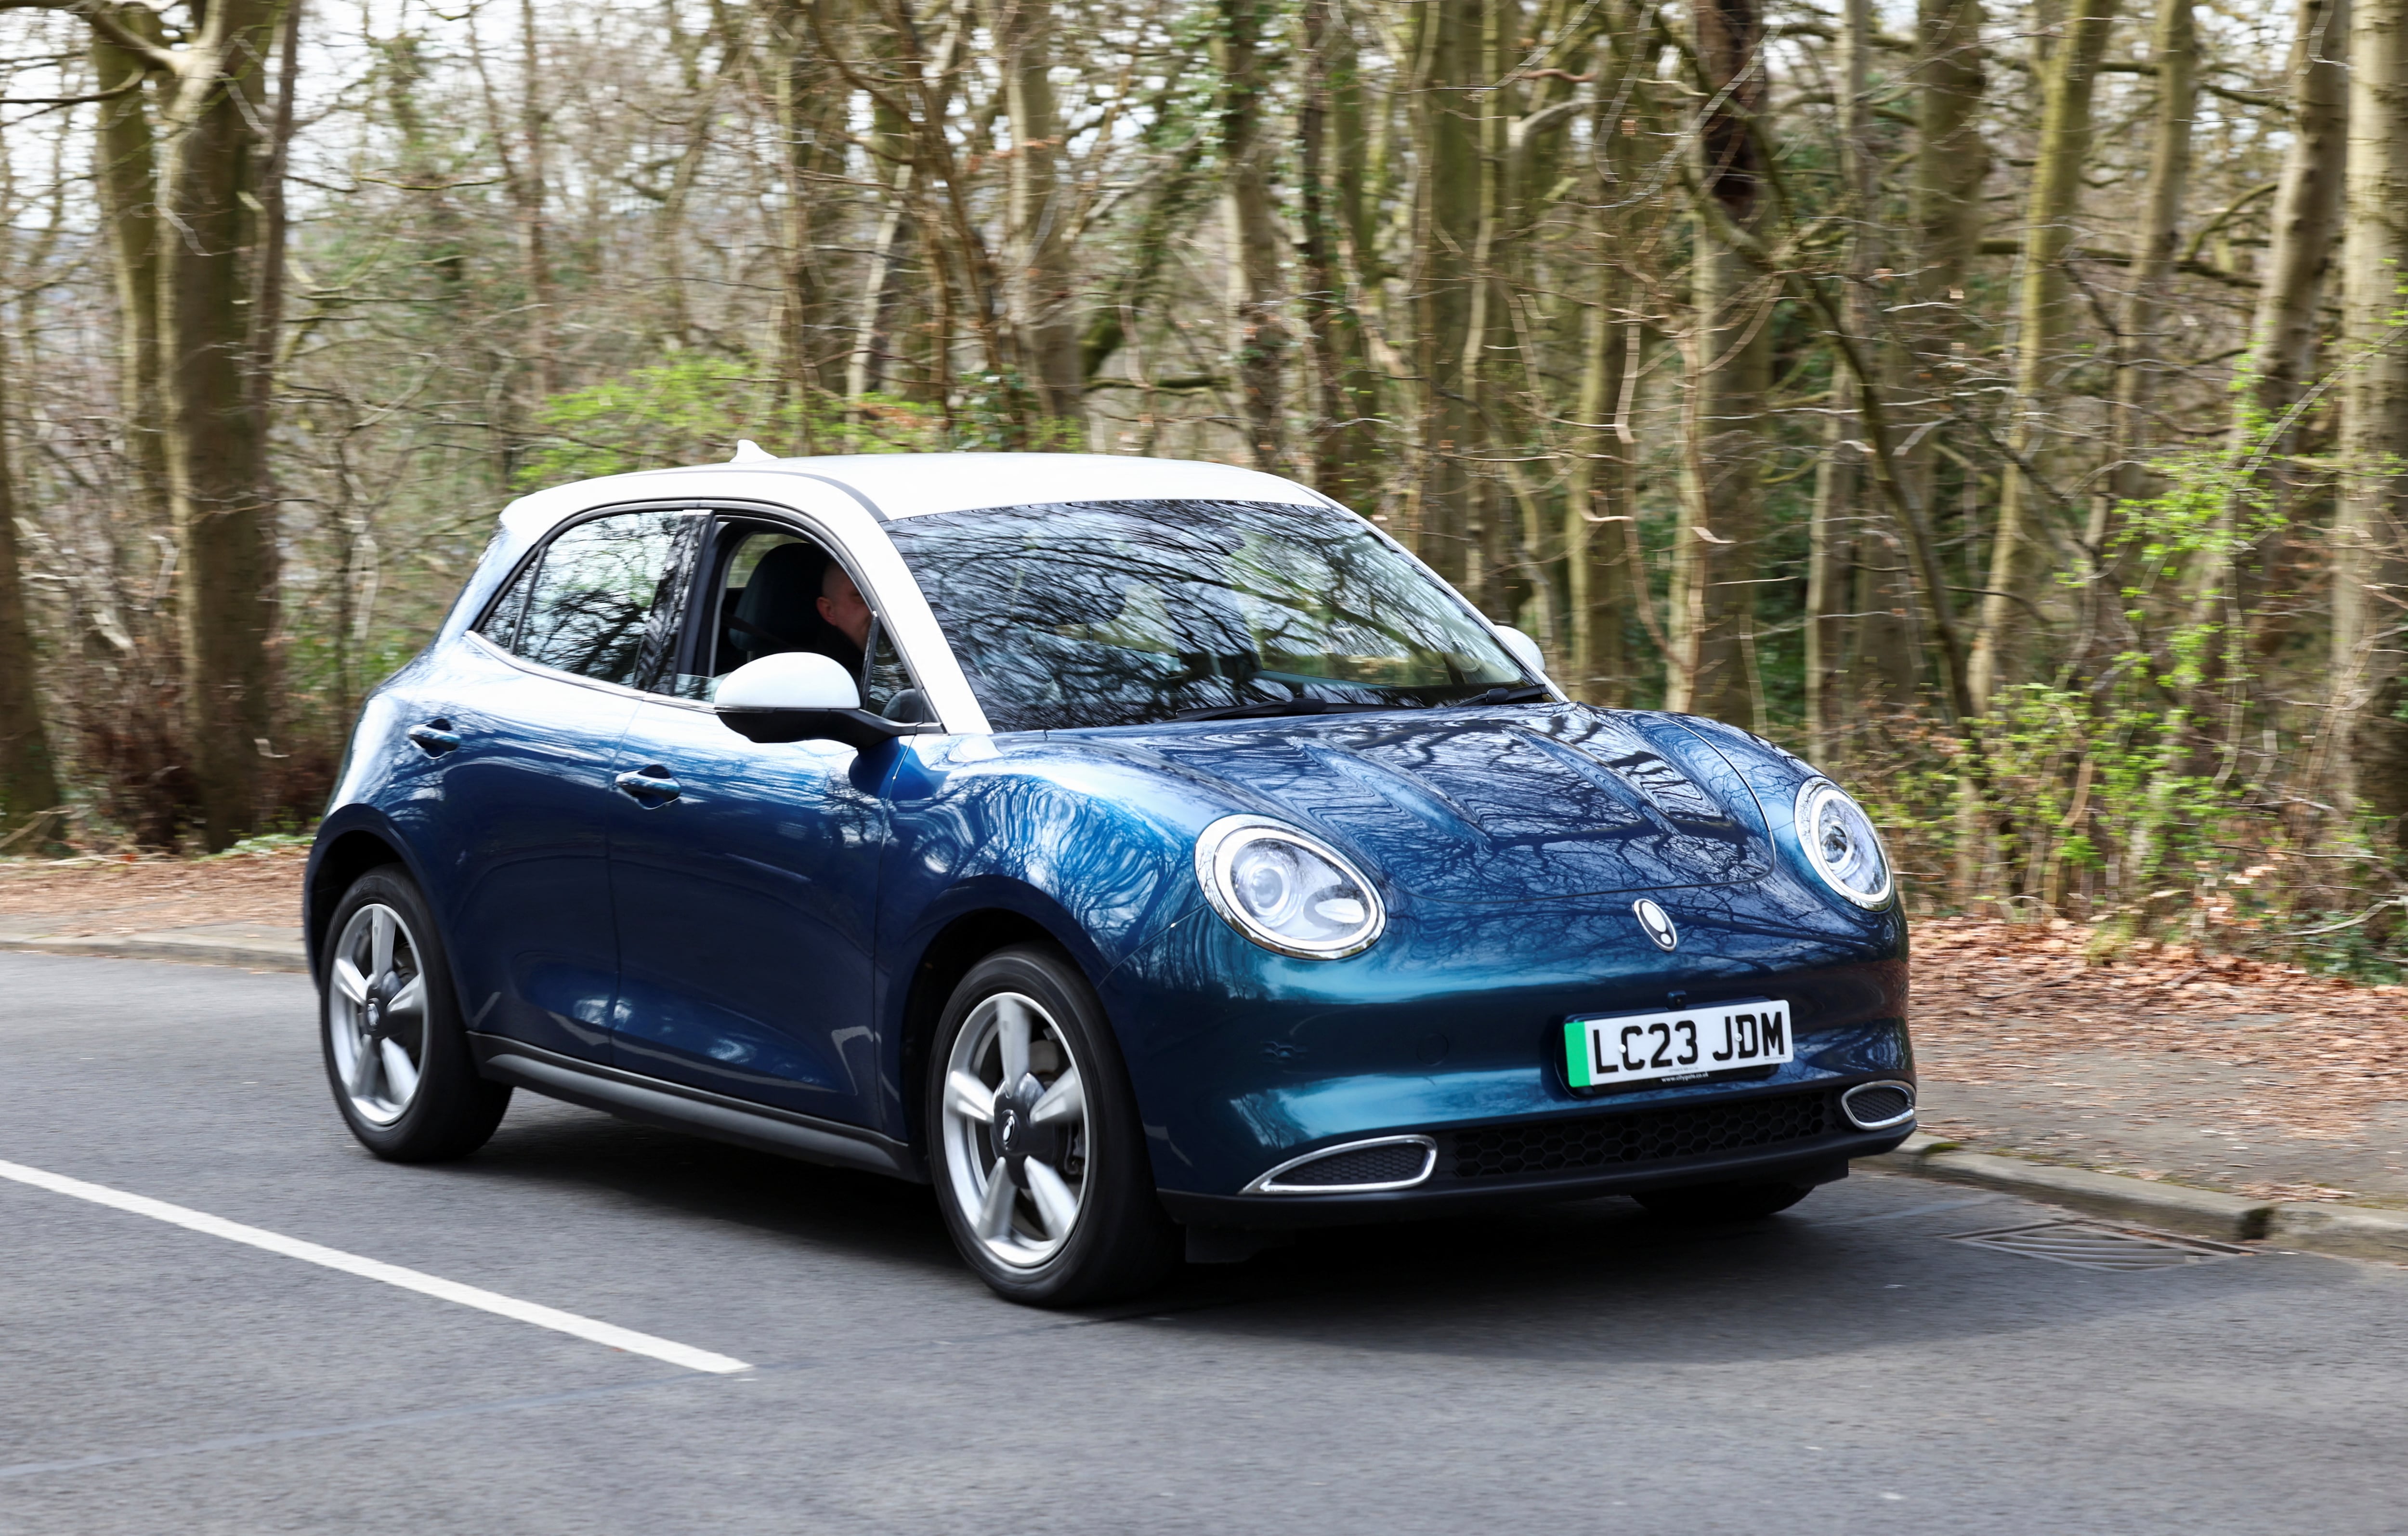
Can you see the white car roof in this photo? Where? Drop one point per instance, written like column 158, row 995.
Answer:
column 901, row 485
column 915, row 484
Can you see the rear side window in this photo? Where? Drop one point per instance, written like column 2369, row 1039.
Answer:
column 604, row 600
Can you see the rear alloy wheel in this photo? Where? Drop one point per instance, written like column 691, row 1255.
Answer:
column 1040, row 1165
column 1702, row 1203
column 396, row 1056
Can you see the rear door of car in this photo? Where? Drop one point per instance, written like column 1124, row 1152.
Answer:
column 744, row 876
column 514, row 808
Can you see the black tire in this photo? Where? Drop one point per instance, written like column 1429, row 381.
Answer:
column 1121, row 1241
column 1699, row 1204
column 450, row 1111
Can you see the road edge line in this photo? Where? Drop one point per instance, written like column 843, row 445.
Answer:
column 591, row 1330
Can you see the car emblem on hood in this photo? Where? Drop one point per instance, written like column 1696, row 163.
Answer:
column 1658, row 924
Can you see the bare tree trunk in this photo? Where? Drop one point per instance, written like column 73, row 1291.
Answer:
column 2283, row 330
column 812, row 104
column 2023, row 552
column 1603, row 579
column 126, row 175
column 1530, row 106
column 1833, row 525
column 1730, row 353
column 930, row 95
column 29, row 781
column 1041, row 290
column 894, row 161
column 535, row 255
column 1178, row 192
column 1356, row 443
column 1597, row 511
column 2175, row 49
column 1448, row 217
column 1256, row 287
column 267, row 266
column 2307, row 211
column 216, row 440
column 1346, row 395
column 1950, row 163
column 2369, row 750
column 1488, row 581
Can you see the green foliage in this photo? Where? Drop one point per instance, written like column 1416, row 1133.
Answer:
column 2117, row 798
column 688, row 411
column 695, row 411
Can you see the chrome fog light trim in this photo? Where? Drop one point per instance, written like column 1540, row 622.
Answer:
column 1848, row 1105
column 1269, row 1183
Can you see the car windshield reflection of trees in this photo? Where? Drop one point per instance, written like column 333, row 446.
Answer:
column 1109, row 613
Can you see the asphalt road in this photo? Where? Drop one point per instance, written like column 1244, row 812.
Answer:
column 1841, row 1368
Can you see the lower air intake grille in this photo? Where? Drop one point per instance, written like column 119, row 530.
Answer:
column 1643, row 1136
column 1396, row 1163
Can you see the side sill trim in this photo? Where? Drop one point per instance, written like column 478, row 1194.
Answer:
column 676, row 1107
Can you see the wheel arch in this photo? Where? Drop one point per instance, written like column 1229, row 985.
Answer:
column 957, row 942
column 348, row 846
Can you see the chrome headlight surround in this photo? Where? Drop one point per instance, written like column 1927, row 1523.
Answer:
column 1820, row 800
column 1222, row 844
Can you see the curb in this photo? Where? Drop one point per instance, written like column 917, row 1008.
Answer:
column 2352, row 1231
column 169, row 947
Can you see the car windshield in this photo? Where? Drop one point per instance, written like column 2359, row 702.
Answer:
column 1115, row 614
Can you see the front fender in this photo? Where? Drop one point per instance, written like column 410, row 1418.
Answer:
column 1098, row 853
column 351, row 839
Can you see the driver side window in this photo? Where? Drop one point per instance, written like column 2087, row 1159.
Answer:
column 778, row 591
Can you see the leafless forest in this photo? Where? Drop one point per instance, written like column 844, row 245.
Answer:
column 2003, row 402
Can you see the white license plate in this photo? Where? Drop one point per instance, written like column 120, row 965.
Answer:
column 1609, row 1048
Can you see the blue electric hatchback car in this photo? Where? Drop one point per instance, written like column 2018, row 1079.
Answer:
column 1150, row 856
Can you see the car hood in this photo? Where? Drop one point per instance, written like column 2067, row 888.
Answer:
column 1457, row 807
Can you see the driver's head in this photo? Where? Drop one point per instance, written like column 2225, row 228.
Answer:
column 842, row 605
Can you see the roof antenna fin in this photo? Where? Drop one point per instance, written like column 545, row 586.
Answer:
column 748, row 451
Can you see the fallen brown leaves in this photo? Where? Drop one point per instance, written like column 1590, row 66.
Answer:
column 1993, row 1002
column 111, row 895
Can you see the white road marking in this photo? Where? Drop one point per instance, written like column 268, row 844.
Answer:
column 370, row 1268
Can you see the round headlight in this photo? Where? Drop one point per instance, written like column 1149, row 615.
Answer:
column 1841, row 843
column 1286, row 891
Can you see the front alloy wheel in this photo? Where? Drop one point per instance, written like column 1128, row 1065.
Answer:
column 1034, row 1141
column 1016, row 1130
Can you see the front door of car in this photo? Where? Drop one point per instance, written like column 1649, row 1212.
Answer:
column 744, row 876
column 515, row 828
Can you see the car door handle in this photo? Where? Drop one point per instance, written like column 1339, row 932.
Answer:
column 651, row 784
column 434, row 737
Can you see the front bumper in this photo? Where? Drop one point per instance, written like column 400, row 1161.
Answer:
column 1453, row 1026
column 1781, row 1134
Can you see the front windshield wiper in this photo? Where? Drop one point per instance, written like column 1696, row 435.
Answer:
column 1278, row 707
column 1515, row 693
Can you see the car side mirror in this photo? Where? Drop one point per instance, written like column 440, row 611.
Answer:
column 800, row 696
column 1525, row 649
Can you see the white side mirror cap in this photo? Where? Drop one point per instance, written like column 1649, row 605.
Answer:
column 791, row 680
column 1525, row 649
